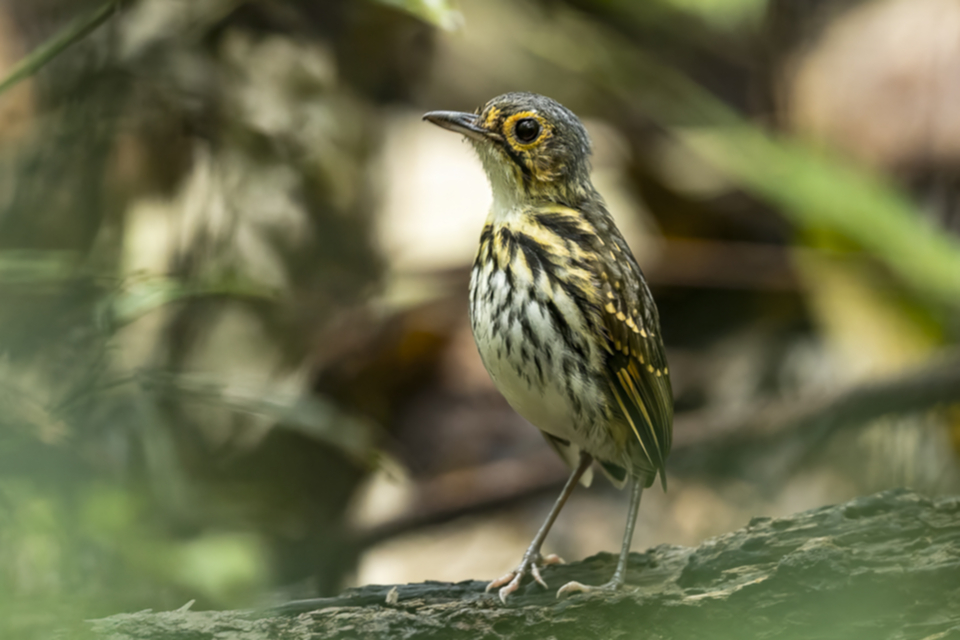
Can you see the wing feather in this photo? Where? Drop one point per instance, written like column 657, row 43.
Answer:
column 621, row 309
column 639, row 376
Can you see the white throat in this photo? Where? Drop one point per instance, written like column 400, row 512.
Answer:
column 507, row 195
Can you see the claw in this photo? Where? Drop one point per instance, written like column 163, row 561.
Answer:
column 578, row 587
column 502, row 580
column 535, row 571
column 510, row 588
column 571, row 588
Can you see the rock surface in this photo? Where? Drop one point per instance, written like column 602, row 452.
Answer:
column 885, row 566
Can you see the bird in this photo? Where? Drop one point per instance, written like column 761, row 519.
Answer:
column 561, row 313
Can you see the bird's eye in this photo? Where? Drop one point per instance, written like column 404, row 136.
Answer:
column 527, row 130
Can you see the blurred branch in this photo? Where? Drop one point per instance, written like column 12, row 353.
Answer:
column 140, row 295
column 477, row 489
column 321, row 420
column 722, row 265
column 700, row 439
column 73, row 33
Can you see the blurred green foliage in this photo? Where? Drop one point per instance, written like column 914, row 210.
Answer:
column 821, row 193
column 77, row 531
column 728, row 13
column 442, row 13
column 101, row 505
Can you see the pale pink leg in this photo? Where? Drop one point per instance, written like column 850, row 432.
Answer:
column 620, row 575
column 532, row 560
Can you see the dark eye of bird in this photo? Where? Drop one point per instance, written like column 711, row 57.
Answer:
column 527, row 130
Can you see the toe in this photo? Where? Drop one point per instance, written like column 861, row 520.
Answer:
column 571, row 588
column 502, row 580
column 552, row 559
column 510, row 588
column 535, row 571
column 578, row 587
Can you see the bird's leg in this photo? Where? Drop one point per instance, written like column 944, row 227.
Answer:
column 532, row 559
column 620, row 575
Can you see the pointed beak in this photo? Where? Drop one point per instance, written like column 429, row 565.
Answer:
column 465, row 123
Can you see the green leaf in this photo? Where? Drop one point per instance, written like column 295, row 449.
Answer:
column 440, row 13
column 722, row 12
column 70, row 35
column 819, row 191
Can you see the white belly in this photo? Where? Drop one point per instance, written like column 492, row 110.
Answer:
column 529, row 362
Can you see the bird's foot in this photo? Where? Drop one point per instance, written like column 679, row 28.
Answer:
column 577, row 587
column 531, row 563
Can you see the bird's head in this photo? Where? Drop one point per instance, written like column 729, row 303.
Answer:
column 531, row 147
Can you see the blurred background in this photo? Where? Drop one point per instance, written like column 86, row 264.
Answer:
column 235, row 365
